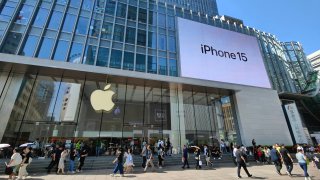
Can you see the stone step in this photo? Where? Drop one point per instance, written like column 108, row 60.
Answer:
column 105, row 162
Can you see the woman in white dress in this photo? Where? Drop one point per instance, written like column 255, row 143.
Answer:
column 63, row 157
column 128, row 165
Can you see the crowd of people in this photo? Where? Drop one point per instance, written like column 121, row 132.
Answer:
column 278, row 155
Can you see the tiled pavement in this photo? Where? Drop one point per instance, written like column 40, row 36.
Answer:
column 225, row 171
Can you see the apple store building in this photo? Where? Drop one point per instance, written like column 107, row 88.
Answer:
column 139, row 83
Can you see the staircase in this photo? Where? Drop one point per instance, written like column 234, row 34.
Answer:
column 105, row 162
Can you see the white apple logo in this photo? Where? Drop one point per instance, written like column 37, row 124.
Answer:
column 101, row 100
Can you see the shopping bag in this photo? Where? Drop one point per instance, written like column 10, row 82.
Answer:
column 200, row 163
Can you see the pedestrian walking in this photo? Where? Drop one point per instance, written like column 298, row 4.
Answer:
column 26, row 160
column 185, row 157
column 55, row 158
column 83, row 156
column 160, row 157
column 72, row 157
column 302, row 160
column 149, row 156
column 144, row 154
column 198, row 158
column 15, row 162
column 119, row 163
column 128, row 165
column 276, row 159
column 61, row 164
column 287, row 159
column 241, row 162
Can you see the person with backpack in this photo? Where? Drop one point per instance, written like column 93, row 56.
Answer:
column 276, row 158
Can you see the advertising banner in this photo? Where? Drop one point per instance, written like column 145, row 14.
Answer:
column 216, row 54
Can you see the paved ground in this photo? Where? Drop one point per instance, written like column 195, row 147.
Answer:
column 228, row 171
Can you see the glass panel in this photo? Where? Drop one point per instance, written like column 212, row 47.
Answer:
column 87, row 4
column 82, row 26
column 162, row 42
column 152, row 40
column 103, row 57
column 128, row 60
column 55, row 20
column 75, row 3
column 110, row 8
column 118, row 33
column 121, row 10
column 163, row 66
column 152, row 64
column 131, row 35
column 61, row 51
column 141, row 62
column 142, row 38
column 95, row 28
column 41, row 17
column 69, row 23
column 172, row 43
column 29, row 46
column 75, row 53
column 173, row 67
column 106, row 30
column 46, row 48
column 132, row 13
column 152, row 18
column 89, row 55
column 171, row 22
column 142, row 15
column 12, row 42
column 24, row 14
column 6, row 13
column 188, row 135
column 162, row 20
column 115, row 60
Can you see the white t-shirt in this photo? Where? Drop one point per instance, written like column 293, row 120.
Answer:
column 16, row 159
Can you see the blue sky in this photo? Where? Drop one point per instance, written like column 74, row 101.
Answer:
column 288, row 20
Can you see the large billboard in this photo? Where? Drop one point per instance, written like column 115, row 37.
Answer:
column 216, row 54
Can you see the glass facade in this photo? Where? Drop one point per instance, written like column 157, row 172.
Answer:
column 58, row 108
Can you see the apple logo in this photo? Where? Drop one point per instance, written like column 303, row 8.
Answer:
column 101, row 100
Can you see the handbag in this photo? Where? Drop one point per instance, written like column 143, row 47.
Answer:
column 200, row 163
column 8, row 170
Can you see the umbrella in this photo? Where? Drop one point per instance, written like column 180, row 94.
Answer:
column 195, row 147
column 4, row 145
column 26, row 144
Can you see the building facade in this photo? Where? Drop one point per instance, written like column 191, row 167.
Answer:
column 54, row 54
column 314, row 58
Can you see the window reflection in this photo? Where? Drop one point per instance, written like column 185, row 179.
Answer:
column 121, row 10
column 89, row 54
column 87, row 4
column 173, row 67
column 61, row 50
column 103, row 57
column 128, row 60
column 132, row 13
column 95, row 28
column 152, row 64
column 106, row 30
column 12, row 42
column 24, row 14
column 82, row 26
column 41, row 17
column 142, row 38
column 55, row 20
column 7, row 12
column 30, row 46
column 69, row 23
column 75, row 53
column 162, row 42
column 118, row 33
column 131, row 35
column 110, row 7
column 46, row 47
column 162, row 66
column 115, row 60
column 140, row 62
column 142, row 15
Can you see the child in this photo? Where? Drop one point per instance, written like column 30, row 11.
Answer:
column 118, row 161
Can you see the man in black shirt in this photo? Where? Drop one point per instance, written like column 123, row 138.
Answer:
column 241, row 162
column 286, row 158
column 55, row 159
